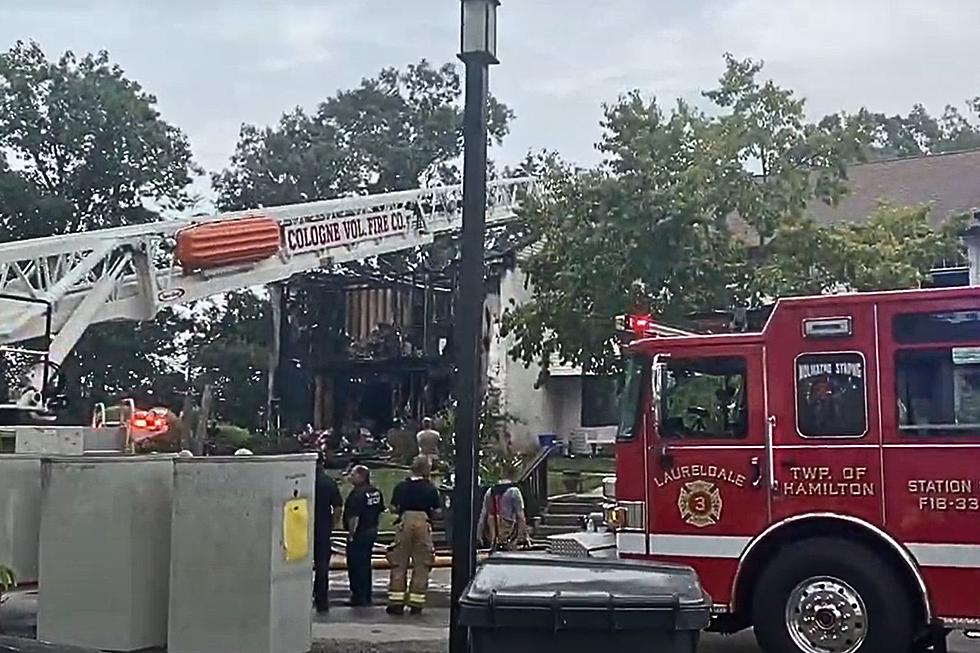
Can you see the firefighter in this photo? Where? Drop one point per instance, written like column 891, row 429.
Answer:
column 503, row 523
column 362, row 511
column 428, row 440
column 415, row 500
column 327, row 513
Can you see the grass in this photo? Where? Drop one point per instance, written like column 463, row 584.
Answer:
column 556, row 484
column 582, row 464
column 593, row 470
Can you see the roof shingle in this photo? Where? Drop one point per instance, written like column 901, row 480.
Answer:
column 948, row 183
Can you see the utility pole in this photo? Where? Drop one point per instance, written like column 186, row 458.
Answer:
column 478, row 51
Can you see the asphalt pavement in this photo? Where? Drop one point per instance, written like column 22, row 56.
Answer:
column 371, row 630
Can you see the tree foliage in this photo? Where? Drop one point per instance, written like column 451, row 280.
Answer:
column 893, row 248
column 229, row 349
column 399, row 130
column 87, row 144
column 82, row 147
column 920, row 133
column 703, row 209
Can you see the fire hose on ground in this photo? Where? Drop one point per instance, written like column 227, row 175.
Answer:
column 379, row 558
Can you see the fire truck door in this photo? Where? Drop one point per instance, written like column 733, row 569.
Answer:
column 824, row 436
column 707, row 495
column 930, row 389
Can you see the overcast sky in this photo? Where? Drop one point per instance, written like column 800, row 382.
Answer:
column 215, row 64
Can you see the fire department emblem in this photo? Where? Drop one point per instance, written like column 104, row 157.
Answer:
column 700, row 503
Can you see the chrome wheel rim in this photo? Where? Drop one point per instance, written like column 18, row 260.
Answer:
column 826, row 615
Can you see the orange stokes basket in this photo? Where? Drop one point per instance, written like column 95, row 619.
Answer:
column 215, row 245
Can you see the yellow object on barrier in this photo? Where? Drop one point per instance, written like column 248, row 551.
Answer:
column 296, row 529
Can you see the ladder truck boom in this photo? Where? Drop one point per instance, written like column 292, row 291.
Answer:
column 57, row 286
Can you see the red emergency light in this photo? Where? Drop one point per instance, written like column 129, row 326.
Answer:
column 148, row 420
column 642, row 325
column 639, row 324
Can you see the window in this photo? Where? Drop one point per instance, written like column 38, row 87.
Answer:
column 705, row 398
column 631, row 399
column 599, row 406
column 938, row 390
column 952, row 326
column 830, row 395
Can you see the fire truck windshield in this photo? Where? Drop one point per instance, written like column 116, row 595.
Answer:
column 631, row 398
column 704, row 397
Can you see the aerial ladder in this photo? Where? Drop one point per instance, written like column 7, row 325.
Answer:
column 53, row 288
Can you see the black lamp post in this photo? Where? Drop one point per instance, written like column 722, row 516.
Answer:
column 478, row 50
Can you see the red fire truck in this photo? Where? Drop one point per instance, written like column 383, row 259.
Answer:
column 821, row 474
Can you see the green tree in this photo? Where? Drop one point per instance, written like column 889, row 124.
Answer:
column 893, row 248
column 919, row 133
column 89, row 145
column 694, row 210
column 83, row 147
column 229, row 350
column 399, row 130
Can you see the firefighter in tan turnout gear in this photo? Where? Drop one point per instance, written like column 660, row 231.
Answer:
column 415, row 500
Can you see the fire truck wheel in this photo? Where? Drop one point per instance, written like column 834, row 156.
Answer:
column 829, row 595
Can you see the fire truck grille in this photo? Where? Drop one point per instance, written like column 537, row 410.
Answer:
column 567, row 547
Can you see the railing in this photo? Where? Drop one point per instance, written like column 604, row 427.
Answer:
column 533, row 483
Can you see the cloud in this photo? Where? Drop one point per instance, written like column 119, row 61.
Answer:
column 217, row 63
column 560, row 64
column 281, row 37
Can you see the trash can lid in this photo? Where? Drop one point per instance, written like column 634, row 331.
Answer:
column 543, row 575
column 541, row 591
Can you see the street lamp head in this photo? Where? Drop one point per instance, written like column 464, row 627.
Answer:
column 478, row 31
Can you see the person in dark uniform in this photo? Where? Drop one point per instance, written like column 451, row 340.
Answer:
column 328, row 502
column 416, row 501
column 361, row 513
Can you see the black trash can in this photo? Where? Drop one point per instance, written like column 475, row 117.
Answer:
column 527, row 603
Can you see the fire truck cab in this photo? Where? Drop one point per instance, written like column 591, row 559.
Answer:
column 822, row 475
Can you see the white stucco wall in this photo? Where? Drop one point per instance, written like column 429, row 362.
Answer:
column 556, row 407
column 533, row 407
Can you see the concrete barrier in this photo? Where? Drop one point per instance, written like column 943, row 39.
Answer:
column 238, row 582
column 20, row 514
column 104, row 551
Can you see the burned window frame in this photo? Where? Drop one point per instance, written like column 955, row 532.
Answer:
column 864, row 386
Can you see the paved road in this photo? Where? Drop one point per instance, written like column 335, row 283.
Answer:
column 745, row 643
column 372, row 631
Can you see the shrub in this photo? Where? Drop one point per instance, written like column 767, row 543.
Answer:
column 230, row 437
column 7, row 579
column 403, row 444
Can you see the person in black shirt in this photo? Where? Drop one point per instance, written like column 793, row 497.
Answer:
column 415, row 500
column 327, row 512
column 361, row 513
